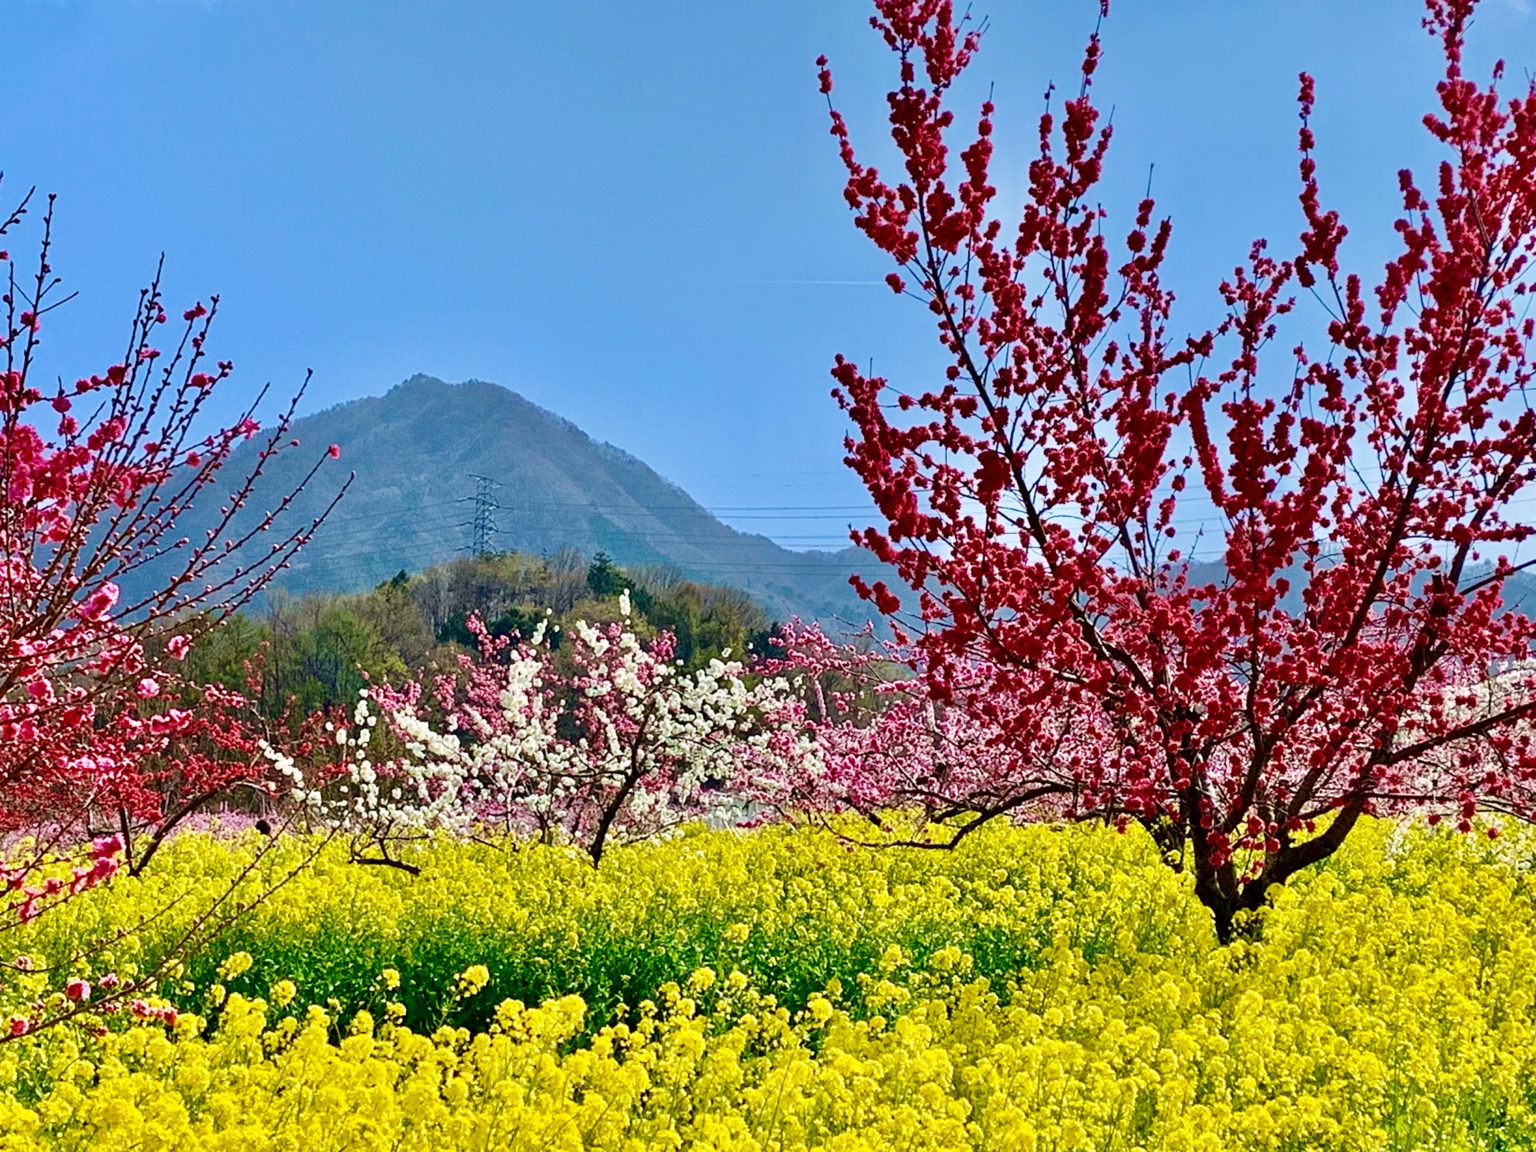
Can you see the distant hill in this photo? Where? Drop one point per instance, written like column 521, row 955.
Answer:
column 416, row 449
column 1519, row 589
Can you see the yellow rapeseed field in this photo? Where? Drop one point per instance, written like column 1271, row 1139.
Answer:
column 1039, row 988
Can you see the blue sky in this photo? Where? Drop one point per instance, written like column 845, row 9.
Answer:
column 631, row 213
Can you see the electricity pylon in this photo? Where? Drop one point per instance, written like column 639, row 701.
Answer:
column 483, row 526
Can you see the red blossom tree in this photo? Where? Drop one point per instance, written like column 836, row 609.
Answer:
column 98, row 735
column 194, row 745
column 1362, row 472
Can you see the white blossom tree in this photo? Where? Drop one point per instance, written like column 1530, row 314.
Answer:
column 610, row 741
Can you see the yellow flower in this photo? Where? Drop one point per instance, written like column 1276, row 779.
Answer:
column 1074, row 997
column 473, row 979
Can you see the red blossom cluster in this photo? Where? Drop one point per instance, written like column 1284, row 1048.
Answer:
column 94, row 865
column 1328, row 654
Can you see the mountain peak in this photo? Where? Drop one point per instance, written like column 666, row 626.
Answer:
column 418, row 449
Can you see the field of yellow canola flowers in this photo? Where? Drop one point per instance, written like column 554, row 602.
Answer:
column 1038, row 989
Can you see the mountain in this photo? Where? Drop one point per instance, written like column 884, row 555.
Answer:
column 417, row 451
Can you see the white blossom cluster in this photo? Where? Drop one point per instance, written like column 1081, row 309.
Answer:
column 626, row 748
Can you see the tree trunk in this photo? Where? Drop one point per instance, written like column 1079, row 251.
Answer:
column 1225, row 910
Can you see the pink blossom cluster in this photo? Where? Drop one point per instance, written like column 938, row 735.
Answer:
column 105, row 745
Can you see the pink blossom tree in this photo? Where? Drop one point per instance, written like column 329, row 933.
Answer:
column 883, row 740
column 101, row 741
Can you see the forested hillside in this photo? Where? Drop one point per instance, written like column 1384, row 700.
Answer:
column 318, row 649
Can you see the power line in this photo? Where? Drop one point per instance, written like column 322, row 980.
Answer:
column 485, row 528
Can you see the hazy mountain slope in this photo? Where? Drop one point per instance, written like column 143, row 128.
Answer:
column 1519, row 589
column 417, row 449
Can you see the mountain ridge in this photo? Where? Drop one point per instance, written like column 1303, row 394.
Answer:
column 416, row 449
